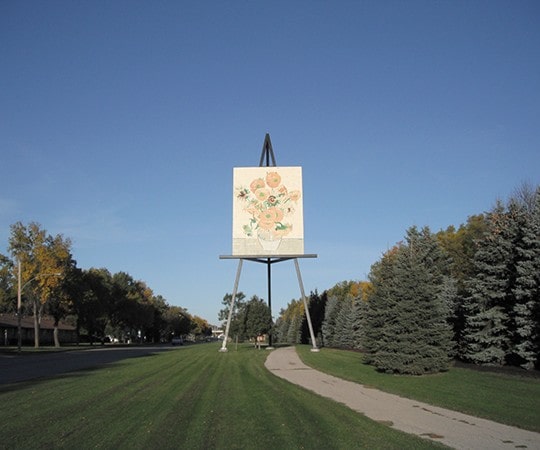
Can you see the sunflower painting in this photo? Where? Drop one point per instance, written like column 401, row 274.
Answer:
column 267, row 211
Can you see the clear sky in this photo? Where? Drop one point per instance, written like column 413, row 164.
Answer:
column 121, row 122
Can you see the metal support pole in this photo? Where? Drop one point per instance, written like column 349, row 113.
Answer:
column 19, row 305
column 308, row 317
column 235, row 289
column 267, row 153
column 269, row 274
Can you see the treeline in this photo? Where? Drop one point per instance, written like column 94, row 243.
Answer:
column 471, row 293
column 99, row 304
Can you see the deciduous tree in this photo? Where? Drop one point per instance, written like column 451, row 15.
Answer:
column 93, row 305
column 43, row 259
column 257, row 318
column 7, row 285
column 236, row 319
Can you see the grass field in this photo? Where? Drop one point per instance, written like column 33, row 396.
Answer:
column 505, row 398
column 186, row 398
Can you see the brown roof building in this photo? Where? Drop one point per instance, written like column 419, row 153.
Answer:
column 9, row 326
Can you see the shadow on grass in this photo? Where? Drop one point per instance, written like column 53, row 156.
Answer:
column 36, row 382
column 20, row 372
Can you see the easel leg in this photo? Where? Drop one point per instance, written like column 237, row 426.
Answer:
column 308, row 317
column 235, row 290
column 269, row 280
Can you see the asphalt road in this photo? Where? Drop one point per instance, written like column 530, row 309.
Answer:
column 15, row 368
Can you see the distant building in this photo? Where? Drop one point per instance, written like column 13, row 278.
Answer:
column 67, row 334
column 216, row 331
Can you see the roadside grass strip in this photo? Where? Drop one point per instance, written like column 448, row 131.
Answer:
column 188, row 398
column 512, row 399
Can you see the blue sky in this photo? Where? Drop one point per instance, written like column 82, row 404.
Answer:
column 121, row 122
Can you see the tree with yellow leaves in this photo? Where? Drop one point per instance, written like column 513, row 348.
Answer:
column 41, row 260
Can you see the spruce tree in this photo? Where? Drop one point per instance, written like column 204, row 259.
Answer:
column 344, row 324
column 485, row 337
column 316, row 305
column 292, row 330
column 359, row 312
column 460, row 246
column 501, row 307
column 294, row 333
column 526, row 291
column 407, row 327
column 450, row 302
column 281, row 328
column 329, row 325
column 381, row 308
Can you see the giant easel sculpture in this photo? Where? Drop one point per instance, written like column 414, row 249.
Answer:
column 267, row 155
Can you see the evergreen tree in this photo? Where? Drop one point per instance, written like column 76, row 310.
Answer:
column 316, row 305
column 485, row 335
column 344, row 337
column 329, row 324
column 450, row 302
column 294, row 331
column 289, row 324
column 526, row 291
column 460, row 246
column 359, row 312
column 338, row 325
column 503, row 295
column 381, row 304
column 281, row 327
column 407, row 331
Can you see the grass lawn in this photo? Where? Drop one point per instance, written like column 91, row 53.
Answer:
column 505, row 398
column 186, row 398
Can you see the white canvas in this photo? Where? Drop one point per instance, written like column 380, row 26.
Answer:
column 267, row 211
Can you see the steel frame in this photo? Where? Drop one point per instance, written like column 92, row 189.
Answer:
column 267, row 155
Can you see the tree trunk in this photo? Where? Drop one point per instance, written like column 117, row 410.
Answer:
column 55, row 334
column 78, row 331
column 36, row 323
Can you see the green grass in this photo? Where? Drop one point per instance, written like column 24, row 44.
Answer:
column 505, row 398
column 28, row 350
column 187, row 398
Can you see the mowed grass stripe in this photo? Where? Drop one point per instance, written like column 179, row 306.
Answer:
column 113, row 404
column 192, row 398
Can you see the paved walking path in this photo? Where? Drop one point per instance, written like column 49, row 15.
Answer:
column 451, row 428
